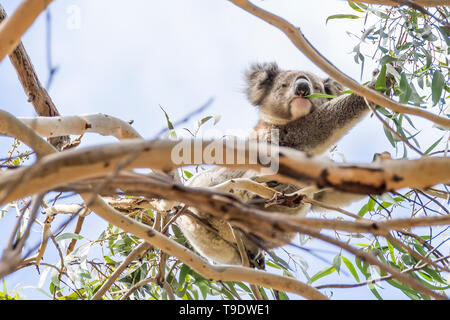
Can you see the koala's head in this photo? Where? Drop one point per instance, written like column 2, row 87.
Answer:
column 280, row 95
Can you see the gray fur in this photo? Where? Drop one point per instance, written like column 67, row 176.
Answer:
column 323, row 123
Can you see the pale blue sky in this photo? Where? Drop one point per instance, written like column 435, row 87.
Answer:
column 126, row 60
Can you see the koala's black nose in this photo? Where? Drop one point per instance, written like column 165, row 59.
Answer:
column 302, row 87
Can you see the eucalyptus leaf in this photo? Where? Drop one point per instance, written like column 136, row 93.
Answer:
column 322, row 273
column 342, row 16
column 69, row 235
column 351, row 268
column 437, row 84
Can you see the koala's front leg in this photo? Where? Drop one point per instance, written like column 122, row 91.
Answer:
column 329, row 122
column 246, row 184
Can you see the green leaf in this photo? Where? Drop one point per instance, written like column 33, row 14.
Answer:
column 351, row 268
column 435, row 275
column 205, row 119
column 273, row 265
column 367, row 207
column 243, row 286
column 387, row 59
column 68, row 235
column 320, row 95
column 437, row 84
column 445, row 34
column 263, row 293
column 431, row 286
column 184, row 271
column 433, row 145
column 188, row 174
column 203, row 286
column 110, row 261
column 389, row 135
column 362, row 266
column 322, row 274
column 342, row 16
column 375, row 292
column 406, row 290
column 169, row 124
column 384, row 111
column 230, row 286
column 408, row 259
column 405, row 89
column 337, row 263
column 380, row 85
column 283, row 295
column 367, row 32
column 391, row 252
column 354, row 6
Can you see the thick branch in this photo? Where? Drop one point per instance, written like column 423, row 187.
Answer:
column 99, row 123
column 250, row 218
column 294, row 167
column 12, row 28
column 10, row 126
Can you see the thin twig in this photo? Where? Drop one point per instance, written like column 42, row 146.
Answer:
column 388, row 277
column 112, row 278
column 12, row 254
column 187, row 117
column 386, row 125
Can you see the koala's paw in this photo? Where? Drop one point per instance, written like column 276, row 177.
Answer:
column 257, row 260
column 378, row 157
column 332, row 87
column 390, row 80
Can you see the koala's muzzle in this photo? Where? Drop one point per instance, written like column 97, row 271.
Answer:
column 302, row 87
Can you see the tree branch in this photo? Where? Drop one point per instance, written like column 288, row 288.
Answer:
column 36, row 93
column 12, row 28
column 423, row 3
column 221, row 272
column 297, row 38
column 294, row 167
column 9, row 125
column 113, row 277
column 99, row 123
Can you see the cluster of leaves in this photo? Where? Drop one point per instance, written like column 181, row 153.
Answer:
column 411, row 47
column 19, row 158
column 400, row 252
column 87, row 276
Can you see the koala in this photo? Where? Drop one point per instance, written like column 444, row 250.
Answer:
column 307, row 124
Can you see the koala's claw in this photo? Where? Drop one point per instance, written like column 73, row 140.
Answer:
column 258, row 261
column 277, row 198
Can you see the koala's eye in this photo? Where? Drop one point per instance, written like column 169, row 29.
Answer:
column 284, row 85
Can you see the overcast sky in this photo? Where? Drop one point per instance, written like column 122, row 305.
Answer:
column 126, row 60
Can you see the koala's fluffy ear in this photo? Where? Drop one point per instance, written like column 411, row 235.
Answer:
column 260, row 78
column 332, row 87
